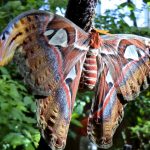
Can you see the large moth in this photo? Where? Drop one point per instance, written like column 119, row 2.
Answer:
column 53, row 53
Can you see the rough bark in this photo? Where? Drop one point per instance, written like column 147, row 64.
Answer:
column 81, row 12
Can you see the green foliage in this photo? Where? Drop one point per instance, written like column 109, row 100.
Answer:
column 80, row 111
column 82, row 99
column 114, row 23
column 114, row 20
column 12, row 8
column 17, row 121
column 138, row 122
column 146, row 1
column 60, row 4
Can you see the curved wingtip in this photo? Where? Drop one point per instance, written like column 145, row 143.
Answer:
column 6, row 54
column 103, row 142
column 5, row 57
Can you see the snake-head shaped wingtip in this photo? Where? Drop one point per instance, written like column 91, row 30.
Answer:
column 55, row 140
column 103, row 142
column 53, row 116
column 6, row 51
column 57, row 143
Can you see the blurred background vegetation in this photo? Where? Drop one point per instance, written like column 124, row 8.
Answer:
column 18, row 129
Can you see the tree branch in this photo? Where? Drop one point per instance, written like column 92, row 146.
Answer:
column 81, row 12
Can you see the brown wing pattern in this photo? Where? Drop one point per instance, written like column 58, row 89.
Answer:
column 50, row 51
column 124, row 70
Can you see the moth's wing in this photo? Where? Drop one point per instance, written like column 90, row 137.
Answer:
column 54, row 112
column 42, row 42
column 50, row 51
column 124, row 70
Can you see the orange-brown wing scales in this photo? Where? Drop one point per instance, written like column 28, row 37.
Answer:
column 50, row 51
column 137, row 81
column 124, row 71
column 54, row 112
column 25, row 33
column 54, row 118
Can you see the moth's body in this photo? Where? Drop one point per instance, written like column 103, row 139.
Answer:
column 90, row 70
column 52, row 54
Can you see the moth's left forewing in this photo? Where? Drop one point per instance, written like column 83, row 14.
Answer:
column 49, row 51
column 124, row 69
column 70, row 44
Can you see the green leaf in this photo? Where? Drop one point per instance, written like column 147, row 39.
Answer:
column 26, row 134
column 76, row 122
column 122, row 5
column 72, row 134
column 28, row 100
column 75, row 115
column 3, row 70
column 29, row 120
column 29, row 147
column 36, row 138
column 15, row 139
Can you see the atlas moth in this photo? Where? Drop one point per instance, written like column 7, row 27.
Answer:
column 53, row 54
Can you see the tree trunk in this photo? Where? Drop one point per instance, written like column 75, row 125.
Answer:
column 81, row 13
column 132, row 14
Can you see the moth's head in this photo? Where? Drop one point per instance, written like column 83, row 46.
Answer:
column 6, row 48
